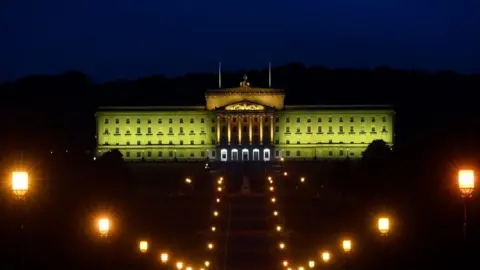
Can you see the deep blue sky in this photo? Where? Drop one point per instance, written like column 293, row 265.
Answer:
column 131, row 38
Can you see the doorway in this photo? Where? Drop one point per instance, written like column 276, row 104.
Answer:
column 245, row 154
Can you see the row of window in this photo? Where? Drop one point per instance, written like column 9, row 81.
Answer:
column 330, row 119
column 159, row 121
column 330, row 130
column 181, row 142
column 341, row 153
column 234, row 129
column 170, row 154
column 255, row 119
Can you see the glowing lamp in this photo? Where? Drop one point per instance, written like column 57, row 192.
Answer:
column 19, row 183
column 164, row 257
column 179, row 265
column 326, row 256
column 466, row 182
column 311, row 264
column 383, row 225
column 143, row 246
column 347, row 245
column 104, row 226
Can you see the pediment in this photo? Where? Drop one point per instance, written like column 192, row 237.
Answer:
column 244, row 106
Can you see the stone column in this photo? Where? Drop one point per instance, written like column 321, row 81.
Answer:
column 260, row 126
column 239, row 119
column 229, row 134
column 250, row 129
column 271, row 129
column 218, row 129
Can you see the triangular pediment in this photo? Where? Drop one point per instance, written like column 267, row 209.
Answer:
column 244, row 106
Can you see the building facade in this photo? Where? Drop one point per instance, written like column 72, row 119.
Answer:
column 242, row 124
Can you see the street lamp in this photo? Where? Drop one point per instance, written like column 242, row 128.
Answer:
column 383, row 225
column 347, row 248
column 311, row 264
column 466, row 184
column 326, row 256
column 103, row 226
column 143, row 246
column 19, row 184
column 347, row 245
column 164, row 257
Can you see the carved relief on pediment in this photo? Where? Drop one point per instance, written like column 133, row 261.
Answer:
column 244, row 107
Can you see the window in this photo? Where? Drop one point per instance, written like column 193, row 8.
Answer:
column 309, row 129
column 149, row 154
column 319, row 120
column 319, row 129
column 373, row 119
column 341, row 120
column 117, row 130
column 298, row 153
column 160, row 121
column 287, row 141
column 202, row 142
column 351, row 130
column 160, row 153
column 106, row 131
column 362, row 119
column 351, row 119
column 287, row 129
column 192, row 142
column 384, row 119
column 138, row 142
column 170, row 121
column 384, row 129
column 181, row 130
column 181, row 142
column 309, row 120
column 192, row 121
column 181, row 120
column 139, row 131
column 341, row 129
column 170, row 130
column 149, row 121
column 298, row 130
column 106, row 121
column 149, row 130
column 138, row 121
column 298, row 119
column 127, row 121
column 202, row 120
column 287, row 120
column 127, row 154
column 341, row 153
column 213, row 129
column 373, row 129
column 149, row 142
column 329, row 119
column 330, row 130
column 277, row 129
column 139, row 154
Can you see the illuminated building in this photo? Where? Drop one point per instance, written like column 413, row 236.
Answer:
column 242, row 124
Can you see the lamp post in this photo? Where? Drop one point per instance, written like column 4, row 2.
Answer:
column 383, row 226
column 347, row 248
column 19, row 186
column 466, row 184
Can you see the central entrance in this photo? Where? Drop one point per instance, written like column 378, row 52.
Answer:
column 245, row 154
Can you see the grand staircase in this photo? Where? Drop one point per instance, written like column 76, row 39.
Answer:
column 247, row 241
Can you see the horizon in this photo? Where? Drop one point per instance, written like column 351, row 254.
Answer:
column 241, row 71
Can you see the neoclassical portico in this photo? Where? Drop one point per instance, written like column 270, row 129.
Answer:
column 245, row 121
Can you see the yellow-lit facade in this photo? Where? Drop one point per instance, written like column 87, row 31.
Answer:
column 242, row 124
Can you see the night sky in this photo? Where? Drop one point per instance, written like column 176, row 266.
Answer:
column 130, row 38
